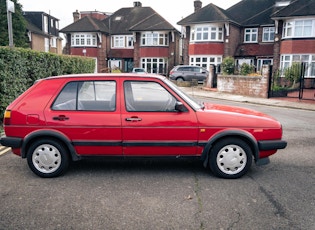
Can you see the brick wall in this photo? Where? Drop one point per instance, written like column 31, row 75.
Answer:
column 256, row 86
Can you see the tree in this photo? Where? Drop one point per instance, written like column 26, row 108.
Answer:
column 18, row 25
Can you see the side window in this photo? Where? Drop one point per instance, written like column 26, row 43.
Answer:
column 148, row 96
column 66, row 100
column 87, row 95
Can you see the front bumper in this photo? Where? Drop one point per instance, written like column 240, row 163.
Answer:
column 271, row 145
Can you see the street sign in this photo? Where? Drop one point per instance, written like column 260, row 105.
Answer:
column 10, row 6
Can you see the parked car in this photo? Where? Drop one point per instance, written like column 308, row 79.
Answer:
column 68, row 118
column 188, row 73
column 139, row 70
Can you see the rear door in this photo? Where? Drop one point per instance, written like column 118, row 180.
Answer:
column 150, row 124
column 87, row 113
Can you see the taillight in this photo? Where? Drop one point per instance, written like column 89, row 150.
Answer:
column 7, row 117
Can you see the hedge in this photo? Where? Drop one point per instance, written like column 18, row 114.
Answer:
column 20, row 68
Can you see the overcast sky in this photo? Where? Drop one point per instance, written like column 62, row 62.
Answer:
column 171, row 10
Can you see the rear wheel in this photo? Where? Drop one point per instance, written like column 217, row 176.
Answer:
column 230, row 158
column 179, row 79
column 47, row 158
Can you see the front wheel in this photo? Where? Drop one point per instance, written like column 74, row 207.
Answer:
column 47, row 158
column 230, row 158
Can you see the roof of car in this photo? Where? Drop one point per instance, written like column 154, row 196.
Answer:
column 108, row 75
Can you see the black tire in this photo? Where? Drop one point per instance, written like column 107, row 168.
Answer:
column 180, row 79
column 230, row 158
column 47, row 158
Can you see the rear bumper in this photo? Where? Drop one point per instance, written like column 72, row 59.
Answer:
column 13, row 142
column 271, row 145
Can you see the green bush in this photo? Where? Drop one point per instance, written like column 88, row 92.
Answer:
column 228, row 65
column 246, row 69
column 20, row 68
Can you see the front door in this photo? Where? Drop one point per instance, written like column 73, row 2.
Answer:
column 150, row 124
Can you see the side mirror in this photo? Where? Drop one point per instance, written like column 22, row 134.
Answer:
column 180, row 107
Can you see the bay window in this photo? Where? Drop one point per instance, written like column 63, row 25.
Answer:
column 299, row 28
column 83, row 40
column 154, row 39
column 211, row 32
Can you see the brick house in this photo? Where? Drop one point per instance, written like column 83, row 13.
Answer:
column 43, row 32
column 130, row 37
column 256, row 32
column 295, row 37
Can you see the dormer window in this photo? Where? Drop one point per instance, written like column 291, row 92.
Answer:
column 118, row 18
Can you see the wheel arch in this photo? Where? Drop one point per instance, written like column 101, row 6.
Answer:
column 49, row 134
column 243, row 135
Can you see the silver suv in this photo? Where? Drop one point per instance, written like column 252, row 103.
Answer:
column 188, row 73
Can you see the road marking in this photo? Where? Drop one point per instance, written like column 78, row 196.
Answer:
column 4, row 150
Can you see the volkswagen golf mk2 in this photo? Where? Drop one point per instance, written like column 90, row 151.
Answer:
column 68, row 118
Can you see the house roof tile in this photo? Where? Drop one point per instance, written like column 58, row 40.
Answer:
column 209, row 13
column 252, row 12
column 86, row 24
column 130, row 19
column 297, row 8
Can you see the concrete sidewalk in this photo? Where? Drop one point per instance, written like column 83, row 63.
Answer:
column 293, row 103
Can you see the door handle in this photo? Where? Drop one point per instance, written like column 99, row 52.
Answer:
column 61, row 118
column 133, row 119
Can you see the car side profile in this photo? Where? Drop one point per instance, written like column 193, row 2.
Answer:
column 72, row 117
column 188, row 73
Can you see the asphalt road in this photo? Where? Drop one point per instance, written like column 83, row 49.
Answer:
column 178, row 194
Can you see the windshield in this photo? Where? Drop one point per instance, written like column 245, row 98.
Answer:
column 183, row 95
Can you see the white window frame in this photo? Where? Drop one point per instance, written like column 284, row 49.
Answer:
column 155, row 38
column 83, row 40
column 287, row 60
column 154, row 64
column 207, row 32
column 205, row 60
column 47, row 45
column 268, row 34
column 45, row 23
column 53, row 42
column 122, row 42
column 301, row 28
column 250, row 35
column 260, row 62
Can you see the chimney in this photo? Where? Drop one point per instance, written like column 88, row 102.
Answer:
column 76, row 16
column 197, row 5
column 137, row 4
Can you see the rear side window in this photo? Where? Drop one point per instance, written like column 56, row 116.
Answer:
column 87, row 95
column 185, row 69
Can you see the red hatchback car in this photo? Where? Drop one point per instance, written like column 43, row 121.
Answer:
column 71, row 117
